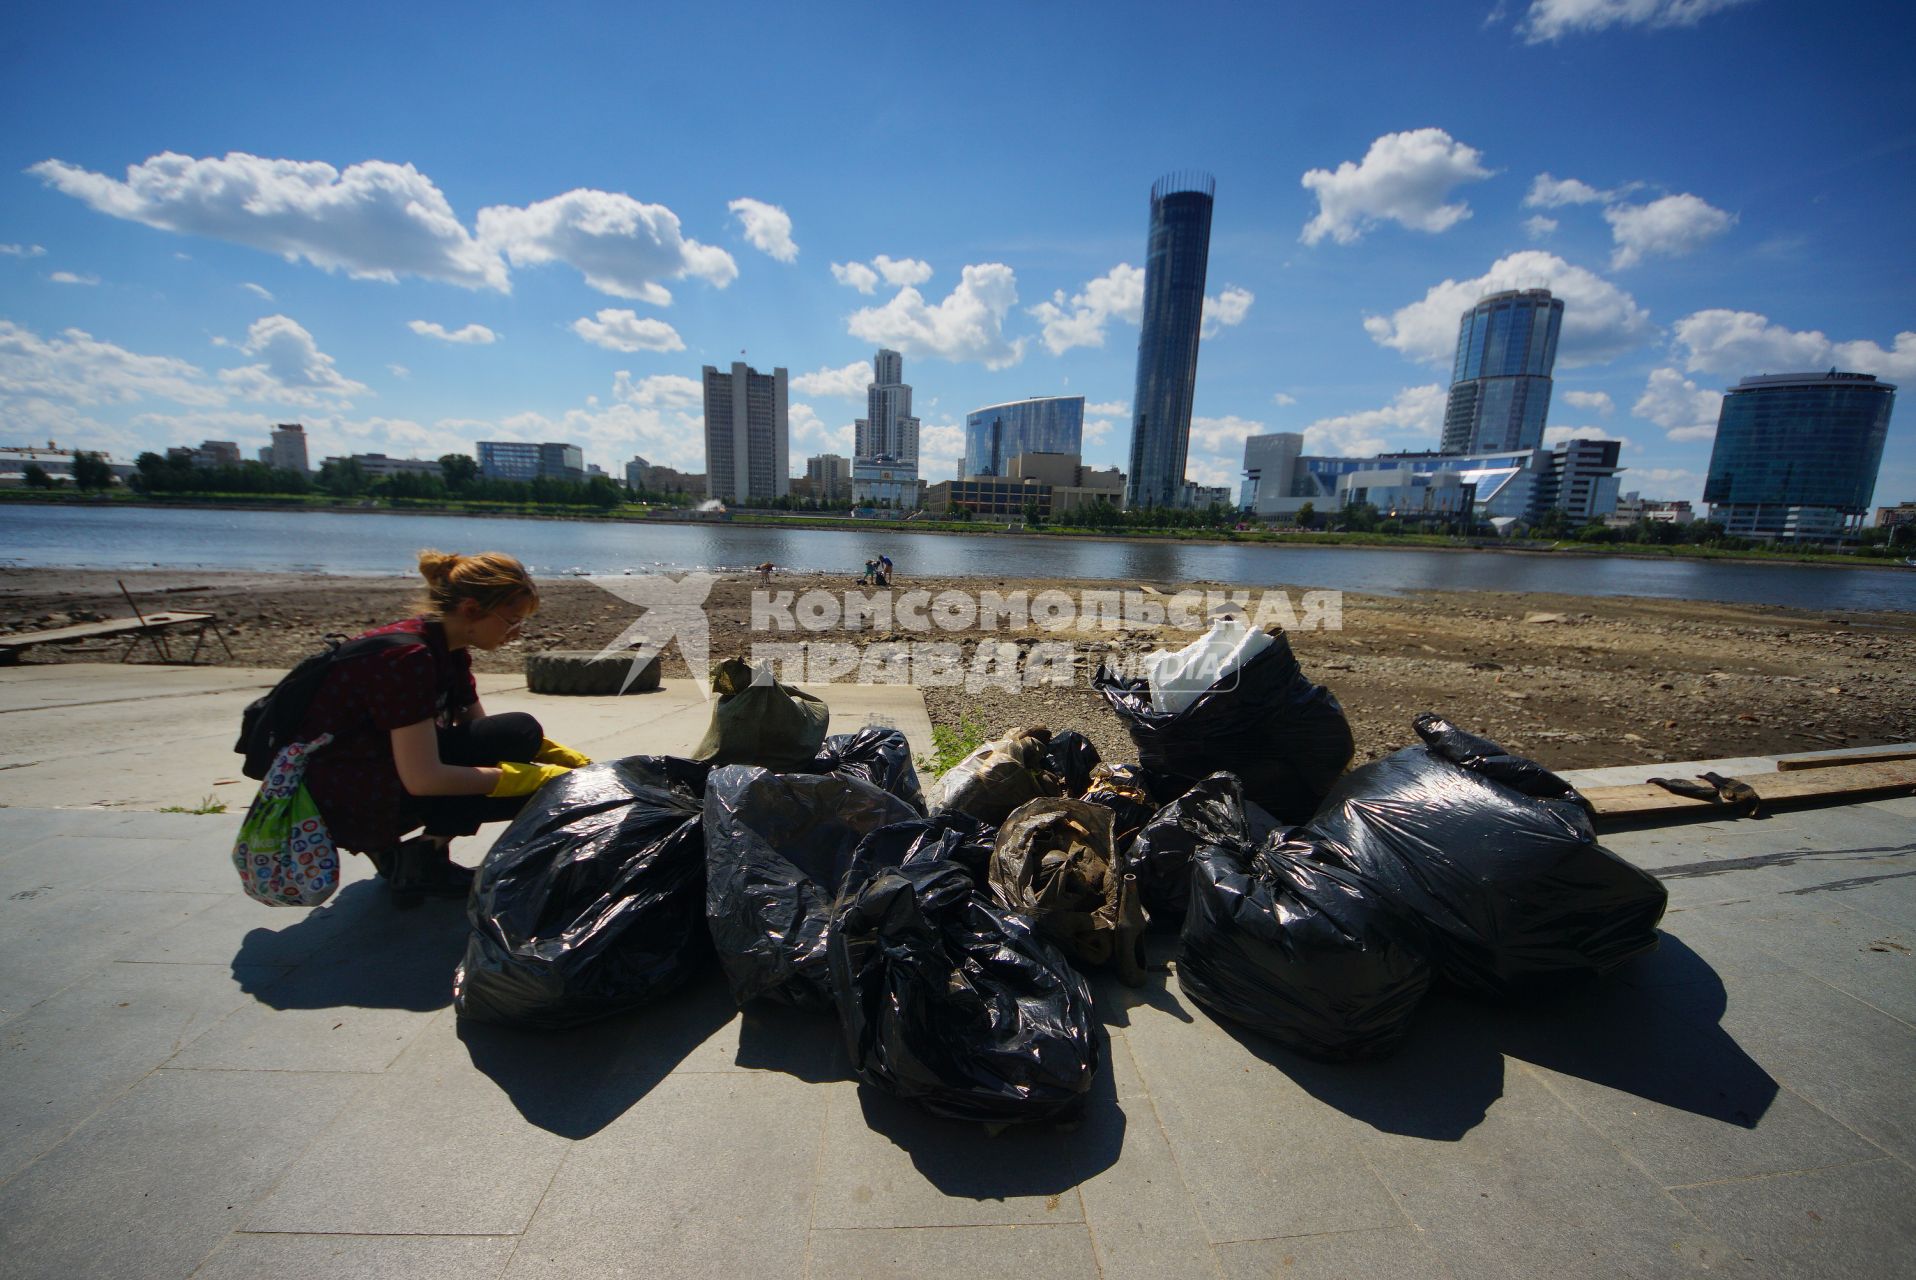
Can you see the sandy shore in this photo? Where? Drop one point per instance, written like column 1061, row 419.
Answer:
column 1602, row 681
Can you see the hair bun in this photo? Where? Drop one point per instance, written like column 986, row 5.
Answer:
column 437, row 566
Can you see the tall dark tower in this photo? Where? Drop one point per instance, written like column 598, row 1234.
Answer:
column 1500, row 380
column 1168, row 346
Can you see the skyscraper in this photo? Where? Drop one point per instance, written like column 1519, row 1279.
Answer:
column 1179, row 250
column 1500, row 380
column 288, row 449
column 997, row 433
column 885, row 440
column 1796, row 454
column 747, row 434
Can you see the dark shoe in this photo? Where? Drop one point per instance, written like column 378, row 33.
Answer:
column 422, row 870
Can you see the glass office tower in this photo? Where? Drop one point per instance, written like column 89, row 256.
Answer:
column 1174, row 266
column 1500, row 380
column 1796, row 454
column 997, row 433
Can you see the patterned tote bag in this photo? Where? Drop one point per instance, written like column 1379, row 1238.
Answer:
column 284, row 854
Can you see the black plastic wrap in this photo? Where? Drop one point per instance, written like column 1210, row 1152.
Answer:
column 1126, row 792
column 881, row 757
column 777, row 850
column 1498, row 858
column 1286, row 738
column 947, row 999
column 1070, row 757
column 1212, row 812
column 1307, row 954
column 949, row 837
column 593, row 901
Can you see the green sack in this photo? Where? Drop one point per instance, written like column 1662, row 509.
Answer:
column 759, row 721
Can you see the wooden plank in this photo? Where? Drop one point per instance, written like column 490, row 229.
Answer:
column 1789, row 764
column 99, row 630
column 1839, row 781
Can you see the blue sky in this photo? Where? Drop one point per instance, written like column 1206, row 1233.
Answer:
column 413, row 227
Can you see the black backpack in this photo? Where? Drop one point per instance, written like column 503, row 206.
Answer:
column 270, row 721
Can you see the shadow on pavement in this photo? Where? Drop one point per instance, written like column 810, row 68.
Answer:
column 1650, row 1029
column 361, row 953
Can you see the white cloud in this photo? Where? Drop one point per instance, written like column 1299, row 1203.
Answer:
column 768, row 228
column 472, row 334
column 1668, row 227
column 849, row 381
column 900, row 272
column 967, row 326
column 1684, row 410
column 77, row 368
column 941, row 447
column 1414, row 417
column 1096, row 431
column 1115, row 408
column 1080, row 321
column 660, row 391
column 375, row 220
column 1547, row 192
column 1403, row 178
column 22, row 251
column 857, row 275
column 620, row 245
column 291, row 370
column 617, row 329
column 813, row 436
column 1553, row 19
column 1600, row 321
column 258, row 290
column 1283, row 398
column 1596, row 401
column 1227, row 308
column 1553, row 436
column 399, row 371
column 68, row 277
column 1539, row 227
column 1224, row 436
column 1742, row 343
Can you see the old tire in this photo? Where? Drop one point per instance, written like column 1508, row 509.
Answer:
column 570, row 672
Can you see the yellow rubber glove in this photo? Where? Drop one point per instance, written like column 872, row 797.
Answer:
column 551, row 752
column 517, row 779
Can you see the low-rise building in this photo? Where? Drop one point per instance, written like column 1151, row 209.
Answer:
column 377, row 466
column 989, row 496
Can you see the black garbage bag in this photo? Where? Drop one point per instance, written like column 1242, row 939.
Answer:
column 949, row 1000
column 1286, row 738
column 593, row 901
column 778, row 847
column 1304, row 953
column 1212, row 812
column 1498, row 858
column 1070, row 757
column 1126, row 792
column 881, row 757
column 950, row 836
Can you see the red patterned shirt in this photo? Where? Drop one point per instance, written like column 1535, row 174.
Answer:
column 354, row 780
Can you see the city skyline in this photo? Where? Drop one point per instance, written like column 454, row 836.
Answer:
column 490, row 231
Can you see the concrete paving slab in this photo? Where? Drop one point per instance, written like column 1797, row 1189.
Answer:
column 49, row 943
column 152, row 1185
column 1400, row 1253
column 1854, row 1221
column 977, row 1253
column 58, row 864
column 248, row 1256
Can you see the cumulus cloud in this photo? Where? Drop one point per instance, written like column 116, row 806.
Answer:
column 471, row 335
column 22, row 251
column 1224, row 436
column 1684, row 410
column 76, row 368
column 1596, row 401
column 849, row 381
column 814, row 435
column 616, row 329
column 660, row 391
column 1096, row 431
column 1600, row 321
column 374, row 220
column 258, row 290
column 968, row 325
column 620, row 245
column 1553, row 436
column 1414, row 417
column 767, row 227
column 941, row 448
column 1741, row 343
column 1226, row 309
column 1547, row 192
column 1112, row 408
column 1549, row 20
column 399, row 371
column 1080, row 320
column 1668, row 227
column 857, row 275
column 1283, row 398
column 1404, row 178
column 68, row 277
column 1539, row 227
column 291, row 367
column 899, row 272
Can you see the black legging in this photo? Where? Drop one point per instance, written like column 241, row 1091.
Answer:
column 489, row 740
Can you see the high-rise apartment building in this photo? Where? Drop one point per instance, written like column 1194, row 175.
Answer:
column 1174, row 266
column 885, row 440
column 1582, row 480
column 288, row 449
column 998, row 433
column 747, row 434
column 1796, row 454
column 1500, row 380
column 830, row 476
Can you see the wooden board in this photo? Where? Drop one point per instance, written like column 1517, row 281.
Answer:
column 1837, row 782
column 1789, row 764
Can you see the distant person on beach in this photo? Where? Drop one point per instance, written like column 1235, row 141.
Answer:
column 411, row 743
column 884, row 567
column 765, row 573
column 871, row 573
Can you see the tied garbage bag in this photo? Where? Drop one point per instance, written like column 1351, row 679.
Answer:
column 1306, row 954
column 778, row 847
column 757, row 720
column 998, row 777
column 1496, row 856
column 1124, row 790
column 881, row 757
column 1286, row 738
column 1053, row 862
column 949, row 837
column 1212, row 812
column 593, row 901
column 1070, row 758
column 955, row 1003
